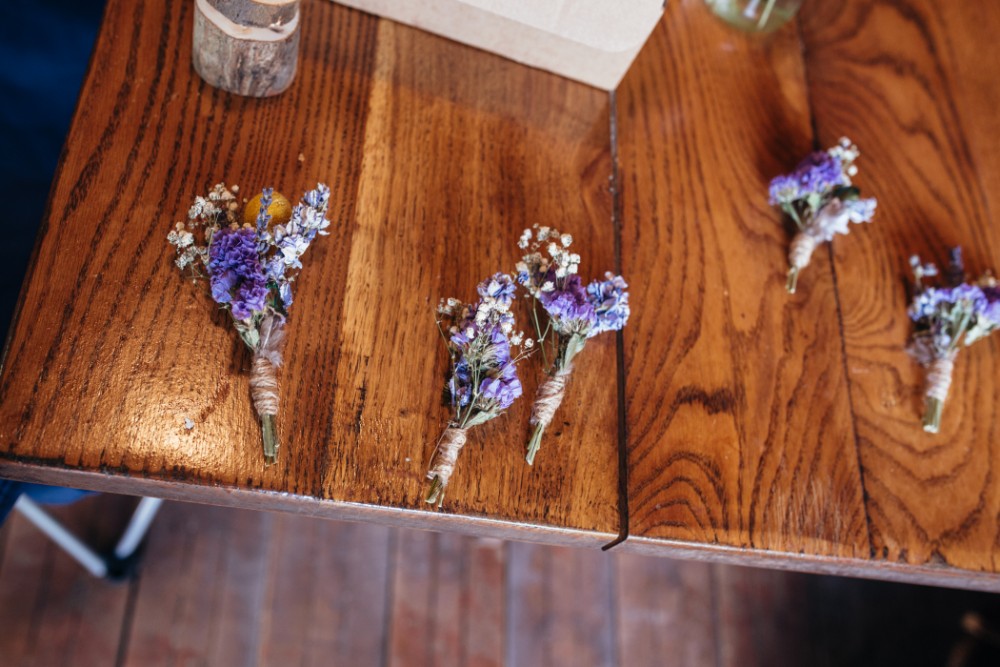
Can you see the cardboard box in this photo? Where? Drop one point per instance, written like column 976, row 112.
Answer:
column 593, row 41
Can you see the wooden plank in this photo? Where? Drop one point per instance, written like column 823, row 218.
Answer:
column 907, row 80
column 559, row 607
column 665, row 607
column 202, row 589
column 485, row 635
column 47, row 600
column 437, row 212
column 327, row 592
column 760, row 617
column 739, row 427
column 447, row 601
column 438, row 156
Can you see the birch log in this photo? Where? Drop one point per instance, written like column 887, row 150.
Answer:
column 248, row 47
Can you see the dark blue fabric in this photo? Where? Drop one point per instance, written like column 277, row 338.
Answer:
column 9, row 493
column 44, row 49
column 53, row 495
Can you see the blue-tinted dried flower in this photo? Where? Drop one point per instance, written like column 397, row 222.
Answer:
column 610, row 302
column 460, row 384
column 285, row 292
column 499, row 287
column 930, row 302
column 263, row 217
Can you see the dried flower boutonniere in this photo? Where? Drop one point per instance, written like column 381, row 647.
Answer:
column 821, row 200
column 250, row 259
column 945, row 319
column 483, row 380
column 575, row 313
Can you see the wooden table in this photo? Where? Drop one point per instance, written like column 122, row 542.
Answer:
column 730, row 421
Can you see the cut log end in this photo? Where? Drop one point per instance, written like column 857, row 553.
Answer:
column 247, row 60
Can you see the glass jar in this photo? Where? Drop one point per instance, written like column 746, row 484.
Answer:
column 755, row 15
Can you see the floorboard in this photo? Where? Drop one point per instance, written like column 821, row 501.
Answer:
column 240, row 588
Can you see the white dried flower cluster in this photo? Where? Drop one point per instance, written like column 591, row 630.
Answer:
column 847, row 152
column 537, row 272
column 493, row 309
column 449, row 307
column 220, row 208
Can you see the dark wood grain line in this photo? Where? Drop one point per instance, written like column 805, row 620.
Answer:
column 616, row 219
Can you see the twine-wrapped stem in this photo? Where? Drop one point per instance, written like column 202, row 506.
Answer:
column 264, row 383
column 799, row 254
column 938, row 383
column 549, row 398
column 264, row 391
column 451, row 443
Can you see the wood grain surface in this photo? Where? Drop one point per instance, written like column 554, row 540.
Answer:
column 749, row 425
column 914, row 85
column 739, row 424
column 437, row 156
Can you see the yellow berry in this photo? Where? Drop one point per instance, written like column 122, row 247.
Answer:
column 280, row 210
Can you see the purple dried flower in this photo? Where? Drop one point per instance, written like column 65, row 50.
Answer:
column 503, row 387
column 819, row 173
column 236, row 274
column 569, row 306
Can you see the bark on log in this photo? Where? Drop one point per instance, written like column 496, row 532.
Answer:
column 248, row 47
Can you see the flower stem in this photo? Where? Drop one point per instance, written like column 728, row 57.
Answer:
column 932, row 416
column 793, row 280
column 436, row 493
column 269, row 432
column 535, row 443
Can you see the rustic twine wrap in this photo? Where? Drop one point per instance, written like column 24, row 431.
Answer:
column 550, row 397
column 264, row 381
column 939, row 375
column 445, row 456
column 834, row 218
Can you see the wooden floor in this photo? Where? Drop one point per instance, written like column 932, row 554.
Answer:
column 232, row 587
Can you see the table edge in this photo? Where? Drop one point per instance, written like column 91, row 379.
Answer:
column 946, row 576
column 281, row 501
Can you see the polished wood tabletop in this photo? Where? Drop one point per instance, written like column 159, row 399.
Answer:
column 729, row 420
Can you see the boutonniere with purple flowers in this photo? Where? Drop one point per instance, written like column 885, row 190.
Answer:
column 574, row 313
column 250, row 256
column 946, row 319
column 820, row 198
column 482, row 381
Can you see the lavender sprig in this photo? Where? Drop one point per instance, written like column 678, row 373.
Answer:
column 820, row 197
column 574, row 313
column 945, row 319
column 250, row 268
column 483, row 380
